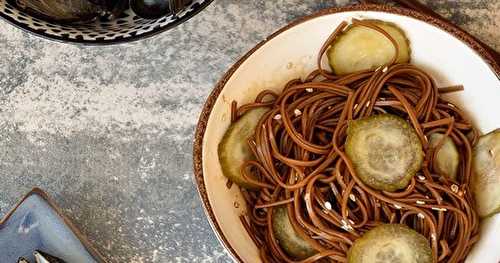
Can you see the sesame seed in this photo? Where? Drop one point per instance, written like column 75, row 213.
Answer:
column 378, row 68
column 328, row 205
column 421, row 178
column 421, row 216
column 439, row 209
column 346, row 226
column 355, row 106
column 368, row 104
column 335, row 191
column 454, row 188
column 297, row 112
column 277, row 117
column 309, row 90
column 451, row 105
column 491, row 152
column 352, row 197
column 385, row 69
column 397, row 206
column 351, row 222
column 419, row 202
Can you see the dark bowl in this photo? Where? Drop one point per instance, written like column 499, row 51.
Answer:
column 126, row 28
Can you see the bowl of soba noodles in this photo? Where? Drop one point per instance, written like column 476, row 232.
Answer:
column 358, row 134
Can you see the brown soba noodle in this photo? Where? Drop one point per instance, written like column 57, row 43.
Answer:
column 300, row 162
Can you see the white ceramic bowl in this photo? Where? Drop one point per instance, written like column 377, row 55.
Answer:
column 450, row 57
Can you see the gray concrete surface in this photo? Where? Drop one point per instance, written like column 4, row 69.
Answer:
column 108, row 131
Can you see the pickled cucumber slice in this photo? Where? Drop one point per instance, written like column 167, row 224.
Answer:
column 233, row 149
column 486, row 174
column 294, row 245
column 362, row 48
column 390, row 243
column 447, row 158
column 385, row 151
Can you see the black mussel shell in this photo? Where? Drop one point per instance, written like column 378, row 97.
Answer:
column 72, row 10
column 61, row 10
column 114, row 7
column 42, row 257
column 151, row 9
column 22, row 260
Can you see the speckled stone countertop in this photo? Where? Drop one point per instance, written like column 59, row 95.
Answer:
column 108, row 131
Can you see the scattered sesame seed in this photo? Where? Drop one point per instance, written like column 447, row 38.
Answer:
column 328, row 205
column 352, row 197
column 451, row 105
column 351, row 222
column 335, row 191
column 378, row 68
column 439, row 209
column 397, row 206
column 454, row 188
column 385, row 69
column 368, row 104
column 355, row 106
column 421, row 216
column 309, row 90
column 277, row 117
column 346, row 226
column 419, row 202
column 421, row 178
column 297, row 112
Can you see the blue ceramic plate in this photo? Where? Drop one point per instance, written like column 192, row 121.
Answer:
column 36, row 223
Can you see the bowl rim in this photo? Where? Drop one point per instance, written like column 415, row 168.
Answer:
column 81, row 42
column 212, row 98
